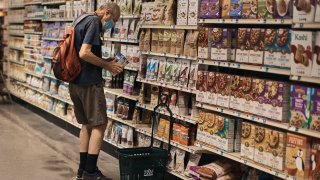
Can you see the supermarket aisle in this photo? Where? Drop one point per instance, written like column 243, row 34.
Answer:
column 33, row 148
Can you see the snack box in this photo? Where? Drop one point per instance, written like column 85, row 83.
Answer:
column 169, row 69
column 193, row 12
column 203, row 46
column 315, row 109
column 270, row 56
column 223, row 89
column 297, row 156
column 316, row 56
column 225, row 9
column 304, row 11
column 176, row 72
column 214, row 9
column 193, row 75
column 184, row 73
column 249, row 9
column 247, row 140
column 235, row 93
column 246, row 99
column 236, row 9
column 162, row 69
column 220, row 40
column 277, row 100
column 211, row 95
column 202, row 125
column 224, row 132
column 242, row 52
column 276, row 148
column 315, row 160
column 204, row 9
column 265, row 9
column 201, row 86
column 257, row 46
column 261, row 145
column 210, row 138
column 237, row 135
column 317, row 14
column 233, row 45
column 300, row 100
column 283, row 9
column 259, row 97
column 182, row 12
column 283, row 48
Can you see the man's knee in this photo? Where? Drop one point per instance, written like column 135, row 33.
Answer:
column 101, row 127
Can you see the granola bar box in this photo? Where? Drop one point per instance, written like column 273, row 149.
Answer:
column 315, row 109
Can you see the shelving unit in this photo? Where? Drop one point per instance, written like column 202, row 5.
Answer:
column 305, row 79
column 52, row 39
column 121, row 40
column 247, row 21
column 119, row 93
column 168, row 27
column 54, row 2
column 169, row 55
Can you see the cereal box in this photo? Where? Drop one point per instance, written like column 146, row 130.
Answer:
column 277, row 100
column 225, row 9
column 182, row 12
column 220, row 45
column 211, row 139
column 184, row 73
column 223, row 89
column 261, row 145
column 257, row 46
column 193, row 75
column 211, row 97
column 283, row 9
column 242, row 52
column 247, row 99
column 283, row 48
column 233, row 44
column 304, row 11
column 276, row 148
column 162, row 69
column 300, row 100
column 193, row 12
column 224, row 132
column 201, row 86
column 316, row 56
column 203, row 49
column 204, row 9
column 270, row 57
column 247, row 140
column 169, row 69
column 297, row 156
column 265, row 9
column 214, row 9
column 176, row 71
column 314, row 173
column 317, row 14
column 201, row 126
column 236, row 9
column 249, row 9
column 237, row 135
column 259, row 97
column 315, row 109
column 235, row 93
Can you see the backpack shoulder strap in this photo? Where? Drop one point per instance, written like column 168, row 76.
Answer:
column 80, row 18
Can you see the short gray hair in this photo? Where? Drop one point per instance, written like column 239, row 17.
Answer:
column 113, row 8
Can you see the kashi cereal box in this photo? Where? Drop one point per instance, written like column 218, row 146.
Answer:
column 214, row 9
column 300, row 101
column 260, row 145
column 210, row 138
column 275, row 149
column 297, row 156
column 259, row 97
column 223, row 89
column 243, row 46
column 304, row 11
column 193, row 12
column 201, row 126
column 283, row 9
column 316, row 56
column 182, row 12
column 224, row 132
column 314, row 173
column 247, row 140
column 315, row 109
column 236, row 9
column 257, row 46
column 202, row 86
column 301, row 53
column 204, row 9
column 265, row 9
column 235, row 93
column 270, row 43
column 211, row 97
column 220, row 45
column 277, row 100
column 283, row 48
column 246, row 98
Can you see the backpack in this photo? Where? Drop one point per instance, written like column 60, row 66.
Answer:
column 66, row 63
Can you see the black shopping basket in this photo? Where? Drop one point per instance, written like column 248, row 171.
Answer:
column 146, row 163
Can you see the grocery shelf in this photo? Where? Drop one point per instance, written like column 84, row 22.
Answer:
column 130, row 16
column 126, row 122
column 236, row 157
column 121, row 40
column 154, row 26
column 54, row 3
column 20, row 6
column 32, row 32
column 16, row 34
column 166, row 85
column 33, row 18
column 247, row 21
column 16, row 48
column 32, row 60
column 234, row 65
column 19, row 21
column 262, row 120
column 52, row 39
column 50, row 76
column 306, row 25
column 169, row 55
column 16, row 79
column 38, row 75
column 119, row 92
column 56, row 20
column 188, row 119
column 114, row 144
column 34, row 47
column 32, row 3
column 191, row 149
column 315, row 80
column 16, row 62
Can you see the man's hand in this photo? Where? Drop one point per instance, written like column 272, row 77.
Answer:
column 114, row 67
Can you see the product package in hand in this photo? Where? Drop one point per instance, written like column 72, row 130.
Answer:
column 121, row 59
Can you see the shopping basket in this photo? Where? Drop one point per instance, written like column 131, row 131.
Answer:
column 146, row 163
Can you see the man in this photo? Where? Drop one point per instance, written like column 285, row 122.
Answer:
column 87, row 91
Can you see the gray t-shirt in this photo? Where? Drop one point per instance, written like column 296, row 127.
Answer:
column 88, row 31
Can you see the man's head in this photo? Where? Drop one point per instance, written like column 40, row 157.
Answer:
column 109, row 14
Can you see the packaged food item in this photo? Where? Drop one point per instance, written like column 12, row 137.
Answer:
column 236, row 9
column 158, row 13
column 317, row 13
column 124, row 29
column 223, row 89
column 171, row 163
column 242, row 52
column 180, row 41
column 209, row 133
column 316, row 56
column 146, row 44
column 204, row 9
column 155, row 39
column 233, row 44
column 176, row 71
column 182, row 12
column 176, row 132
column 141, row 40
column 257, row 46
column 304, row 11
column 154, row 95
column 265, row 9
column 247, row 140
column 261, row 145
column 270, row 57
column 121, row 59
column 160, row 41
column 249, row 9
column 235, row 93
column 297, row 156
column 193, row 75
column 46, row 84
column 283, row 48
column 184, row 73
column 193, row 12
column 169, row 70
column 214, row 9
column 193, row 161
column 213, row 170
column 186, row 48
column 224, row 132
column 220, row 45
column 142, row 67
column 283, row 9
column 154, row 69
column 315, row 160
column 180, row 154
column 315, row 109
column 167, row 41
column 203, row 50
column 184, row 135
column 237, row 135
column 137, row 7
column 276, row 148
column 201, row 85
column 169, row 11
column 211, row 95
column 259, row 96
column 193, row 44
column 225, row 10
column 173, row 42
column 162, row 69
column 161, row 128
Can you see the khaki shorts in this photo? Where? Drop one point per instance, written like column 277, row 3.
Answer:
column 89, row 104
